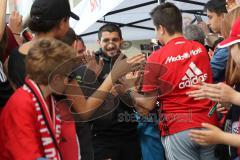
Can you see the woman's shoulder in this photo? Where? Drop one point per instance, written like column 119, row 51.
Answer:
column 19, row 101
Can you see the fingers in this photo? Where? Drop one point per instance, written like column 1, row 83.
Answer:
column 16, row 16
column 199, row 136
column 212, row 86
column 209, row 126
column 197, row 94
column 196, row 86
column 137, row 63
column 206, row 90
column 15, row 22
column 81, row 59
column 88, row 56
column 194, row 93
column 221, row 109
column 199, row 98
column 101, row 62
column 200, row 141
column 132, row 75
column 122, row 67
column 136, row 59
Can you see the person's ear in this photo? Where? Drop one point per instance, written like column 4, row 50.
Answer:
column 63, row 24
column 161, row 29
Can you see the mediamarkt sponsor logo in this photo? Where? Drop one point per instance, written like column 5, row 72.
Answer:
column 184, row 56
column 193, row 81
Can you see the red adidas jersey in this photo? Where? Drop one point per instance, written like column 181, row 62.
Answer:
column 172, row 70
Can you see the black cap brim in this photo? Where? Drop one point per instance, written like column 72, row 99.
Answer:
column 74, row 16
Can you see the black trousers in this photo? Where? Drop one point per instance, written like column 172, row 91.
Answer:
column 84, row 136
column 117, row 149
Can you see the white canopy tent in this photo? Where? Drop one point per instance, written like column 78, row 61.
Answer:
column 132, row 16
column 134, row 19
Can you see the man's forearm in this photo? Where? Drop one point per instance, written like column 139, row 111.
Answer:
column 82, row 104
column 144, row 101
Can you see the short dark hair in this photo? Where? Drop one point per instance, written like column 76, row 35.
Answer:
column 169, row 16
column 109, row 27
column 44, row 26
column 217, row 6
column 70, row 37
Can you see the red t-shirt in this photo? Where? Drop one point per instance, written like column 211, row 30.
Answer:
column 172, row 70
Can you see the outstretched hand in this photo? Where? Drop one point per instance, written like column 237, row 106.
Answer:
column 209, row 135
column 123, row 66
column 15, row 22
column 92, row 63
column 131, row 81
column 216, row 92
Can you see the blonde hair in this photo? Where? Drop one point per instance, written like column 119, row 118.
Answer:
column 232, row 73
column 228, row 21
column 45, row 58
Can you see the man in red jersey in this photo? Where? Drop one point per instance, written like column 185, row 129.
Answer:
column 169, row 73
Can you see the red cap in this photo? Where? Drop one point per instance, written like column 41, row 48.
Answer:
column 234, row 36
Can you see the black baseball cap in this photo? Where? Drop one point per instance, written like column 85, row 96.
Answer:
column 51, row 10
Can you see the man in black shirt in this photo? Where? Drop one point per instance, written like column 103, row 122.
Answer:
column 113, row 136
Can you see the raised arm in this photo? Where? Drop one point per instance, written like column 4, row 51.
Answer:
column 3, row 7
column 145, row 102
column 82, row 104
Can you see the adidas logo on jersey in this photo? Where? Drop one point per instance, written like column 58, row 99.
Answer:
column 193, row 76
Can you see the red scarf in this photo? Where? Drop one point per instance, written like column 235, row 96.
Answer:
column 49, row 126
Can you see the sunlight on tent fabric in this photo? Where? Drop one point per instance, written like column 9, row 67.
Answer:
column 24, row 6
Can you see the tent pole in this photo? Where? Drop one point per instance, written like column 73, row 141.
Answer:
column 161, row 1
